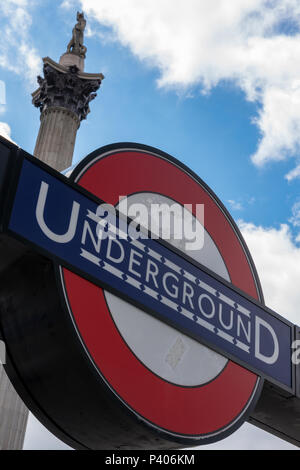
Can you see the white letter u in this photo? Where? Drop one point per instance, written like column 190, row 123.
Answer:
column 66, row 237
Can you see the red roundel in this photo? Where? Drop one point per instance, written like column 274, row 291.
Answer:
column 169, row 381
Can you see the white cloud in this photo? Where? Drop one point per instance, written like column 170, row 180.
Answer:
column 16, row 52
column 295, row 219
column 277, row 259
column 5, row 131
column 255, row 43
column 295, row 173
column 235, row 205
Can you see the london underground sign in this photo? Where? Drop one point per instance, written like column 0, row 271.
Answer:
column 147, row 273
column 171, row 346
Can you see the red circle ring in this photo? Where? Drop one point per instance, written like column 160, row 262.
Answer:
column 207, row 412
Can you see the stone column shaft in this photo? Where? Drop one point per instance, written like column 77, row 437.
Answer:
column 56, row 139
column 13, row 415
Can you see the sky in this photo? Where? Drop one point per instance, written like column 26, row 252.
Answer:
column 215, row 84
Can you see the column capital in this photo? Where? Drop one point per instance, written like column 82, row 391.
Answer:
column 66, row 87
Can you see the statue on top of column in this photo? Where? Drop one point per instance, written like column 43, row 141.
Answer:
column 76, row 46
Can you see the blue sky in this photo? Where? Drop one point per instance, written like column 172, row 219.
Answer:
column 216, row 86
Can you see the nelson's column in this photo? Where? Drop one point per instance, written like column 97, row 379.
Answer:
column 63, row 98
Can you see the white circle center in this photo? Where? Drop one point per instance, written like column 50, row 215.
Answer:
column 168, row 353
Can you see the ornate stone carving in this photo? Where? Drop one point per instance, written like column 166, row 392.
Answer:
column 65, row 90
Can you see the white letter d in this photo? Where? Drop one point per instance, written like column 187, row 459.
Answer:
column 259, row 322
